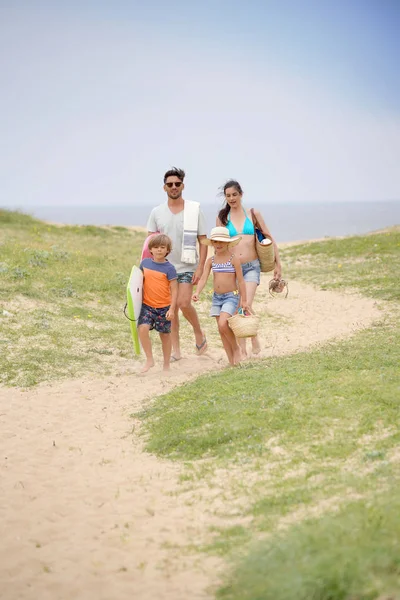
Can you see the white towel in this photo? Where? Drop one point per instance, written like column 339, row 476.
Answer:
column 190, row 229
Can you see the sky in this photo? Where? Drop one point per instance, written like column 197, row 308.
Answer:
column 299, row 100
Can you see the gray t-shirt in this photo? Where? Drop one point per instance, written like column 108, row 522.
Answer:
column 163, row 220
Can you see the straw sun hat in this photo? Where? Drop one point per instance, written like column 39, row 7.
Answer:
column 221, row 234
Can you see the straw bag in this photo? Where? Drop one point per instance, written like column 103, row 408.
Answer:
column 265, row 252
column 244, row 326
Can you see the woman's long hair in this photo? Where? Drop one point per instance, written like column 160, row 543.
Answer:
column 225, row 210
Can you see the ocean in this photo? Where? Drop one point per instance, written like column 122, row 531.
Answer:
column 287, row 222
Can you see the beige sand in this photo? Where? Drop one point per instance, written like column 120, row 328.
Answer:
column 85, row 513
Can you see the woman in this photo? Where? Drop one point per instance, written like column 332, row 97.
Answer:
column 238, row 221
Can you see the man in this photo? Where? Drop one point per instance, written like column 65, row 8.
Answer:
column 184, row 223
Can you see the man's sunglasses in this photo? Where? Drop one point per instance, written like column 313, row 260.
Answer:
column 174, row 183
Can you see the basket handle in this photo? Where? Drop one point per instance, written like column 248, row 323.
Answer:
column 258, row 226
column 241, row 313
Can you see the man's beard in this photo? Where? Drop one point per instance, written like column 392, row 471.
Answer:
column 174, row 197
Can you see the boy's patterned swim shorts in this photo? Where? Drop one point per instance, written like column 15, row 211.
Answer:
column 155, row 317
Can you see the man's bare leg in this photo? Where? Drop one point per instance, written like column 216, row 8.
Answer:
column 184, row 303
column 188, row 310
column 176, row 349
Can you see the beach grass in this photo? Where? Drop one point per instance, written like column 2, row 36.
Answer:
column 354, row 554
column 301, row 452
column 303, row 437
column 62, row 294
column 369, row 264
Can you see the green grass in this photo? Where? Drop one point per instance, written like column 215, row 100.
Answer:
column 280, row 441
column 353, row 555
column 301, row 437
column 370, row 264
column 63, row 291
column 322, row 423
column 354, row 384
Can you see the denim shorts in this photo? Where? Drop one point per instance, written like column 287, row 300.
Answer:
column 228, row 303
column 252, row 271
column 185, row 277
column 156, row 318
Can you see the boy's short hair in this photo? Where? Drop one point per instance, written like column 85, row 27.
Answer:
column 160, row 239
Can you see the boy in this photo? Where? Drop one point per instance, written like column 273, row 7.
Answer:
column 160, row 290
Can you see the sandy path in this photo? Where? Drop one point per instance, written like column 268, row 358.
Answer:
column 85, row 513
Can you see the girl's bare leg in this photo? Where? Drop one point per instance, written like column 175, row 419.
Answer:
column 231, row 348
column 226, row 344
column 144, row 336
column 251, row 289
column 166, row 344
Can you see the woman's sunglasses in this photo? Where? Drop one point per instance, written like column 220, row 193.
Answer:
column 174, row 183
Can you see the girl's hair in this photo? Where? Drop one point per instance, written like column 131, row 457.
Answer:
column 224, row 212
column 160, row 239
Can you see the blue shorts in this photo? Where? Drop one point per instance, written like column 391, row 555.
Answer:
column 252, row 271
column 155, row 317
column 228, row 303
column 185, row 277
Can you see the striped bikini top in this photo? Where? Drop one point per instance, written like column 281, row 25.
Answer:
column 226, row 267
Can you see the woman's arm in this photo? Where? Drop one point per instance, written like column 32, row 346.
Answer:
column 218, row 222
column 264, row 229
column 241, row 284
column 203, row 280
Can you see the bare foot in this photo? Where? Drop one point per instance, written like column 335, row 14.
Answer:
column 147, row 365
column 202, row 347
column 255, row 343
column 237, row 356
column 243, row 354
column 243, row 350
column 199, row 337
column 176, row 357
column 166, row 367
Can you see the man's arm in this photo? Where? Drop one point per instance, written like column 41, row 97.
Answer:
column 174, row 296
column 151, row 224
column 203, row 281
column 201, row 234
column 202, row 260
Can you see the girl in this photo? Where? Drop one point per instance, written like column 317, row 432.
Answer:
column 228, row 277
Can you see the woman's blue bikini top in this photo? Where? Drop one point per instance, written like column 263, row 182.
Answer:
column 248, row 227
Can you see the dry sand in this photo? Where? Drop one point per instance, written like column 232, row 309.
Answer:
column 85, row 513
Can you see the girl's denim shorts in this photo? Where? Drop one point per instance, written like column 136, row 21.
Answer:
column 252, row 271
column 228, row 303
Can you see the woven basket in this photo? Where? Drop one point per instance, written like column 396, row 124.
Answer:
column 266, row 255
column 265, row 252
column 244, row 326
